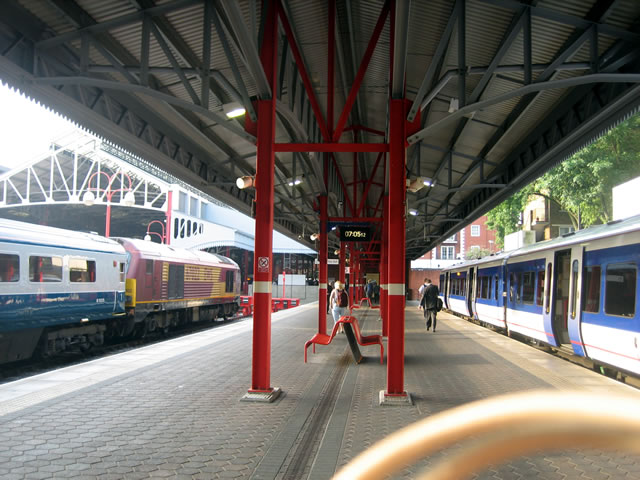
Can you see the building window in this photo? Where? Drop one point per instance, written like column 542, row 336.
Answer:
column 451, row 239
column 447, row 253
column 475, row 230
column 564, row 230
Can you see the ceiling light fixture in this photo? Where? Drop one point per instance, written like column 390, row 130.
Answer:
column 233, row 109
column 245, row 182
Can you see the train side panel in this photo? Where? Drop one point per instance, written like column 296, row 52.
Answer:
column 610, row 317
column 525, row 281
column 489, row 301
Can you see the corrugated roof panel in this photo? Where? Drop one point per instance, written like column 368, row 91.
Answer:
column 102, row 11
column 49, row 15
column 625, row 13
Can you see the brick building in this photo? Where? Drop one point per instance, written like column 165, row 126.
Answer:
column 474, row 236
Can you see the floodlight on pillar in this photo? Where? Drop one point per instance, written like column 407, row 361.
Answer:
column 245, row 182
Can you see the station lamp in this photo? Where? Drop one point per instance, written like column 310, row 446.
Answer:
column 245, row 182
column 233, row 109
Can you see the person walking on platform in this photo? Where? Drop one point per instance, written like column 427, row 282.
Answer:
column 329, row 290
column 429, row 302
column 421, row 291
column 369, row 291
column 339, row 301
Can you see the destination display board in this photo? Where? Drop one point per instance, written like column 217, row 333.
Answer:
column 355, row 233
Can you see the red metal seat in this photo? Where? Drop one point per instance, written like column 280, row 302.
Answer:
column 363, row 340
column 322, row 339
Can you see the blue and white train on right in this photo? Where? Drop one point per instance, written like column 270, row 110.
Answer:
column 577, row 293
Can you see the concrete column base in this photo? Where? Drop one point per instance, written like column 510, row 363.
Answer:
column 262, row 397
column 395, row 400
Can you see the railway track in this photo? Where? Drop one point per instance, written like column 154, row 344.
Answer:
column 36, row 365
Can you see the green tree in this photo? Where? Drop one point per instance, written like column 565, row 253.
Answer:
column 505, row 218
column 476, row 253
column 582, row 185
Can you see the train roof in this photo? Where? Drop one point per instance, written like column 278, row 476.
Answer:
column 594, row 232
column 157, row 251
column 12, row 231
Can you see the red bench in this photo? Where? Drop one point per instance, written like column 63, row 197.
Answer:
column 363, row 340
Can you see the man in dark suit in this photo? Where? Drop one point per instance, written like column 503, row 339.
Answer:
column 429, row 303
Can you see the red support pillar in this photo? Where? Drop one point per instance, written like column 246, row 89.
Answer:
column 323, row 259
column 384, row 268
column 343, row 263
column 167, row 227
column 396, row 255
column 263, row 256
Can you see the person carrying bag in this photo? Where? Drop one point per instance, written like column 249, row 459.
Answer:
column 429, row 302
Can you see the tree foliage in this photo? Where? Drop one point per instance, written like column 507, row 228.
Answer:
column 582, row 185
column 476, row 253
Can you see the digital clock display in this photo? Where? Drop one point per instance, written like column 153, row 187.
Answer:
column 354, row 234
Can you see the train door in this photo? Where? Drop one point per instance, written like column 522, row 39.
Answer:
column 157, row 279
column 471, row 291
column 148, row 280
column 445, row 291
column 548, row 298
column 575, row 299
column 560, row 296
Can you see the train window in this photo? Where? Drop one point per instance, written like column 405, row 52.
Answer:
column 45, row 269
column 591, row 289
column 9, row 268
column 122, row 272
column 574, row 287
column 512, row 287
column 149, row 267
column 547, row 289
column 82, row 270
column 620, row 289
column 463, row 286
column 228, row 281
column 188, row 228
column 496, row 284
column 540, row 287
column 528, row 287
column 484, row 287
column 176, row 227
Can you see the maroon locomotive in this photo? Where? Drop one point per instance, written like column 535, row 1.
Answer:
column 168, row 286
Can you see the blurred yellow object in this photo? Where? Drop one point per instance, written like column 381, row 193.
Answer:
column 504, row 427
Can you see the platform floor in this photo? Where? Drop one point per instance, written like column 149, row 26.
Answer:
column 173, row 409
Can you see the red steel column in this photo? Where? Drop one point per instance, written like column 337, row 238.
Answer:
column 343, row 263
column 396, row 254
column 322, row 258
column 263, row 256
column 384, row 268
column 167, row 229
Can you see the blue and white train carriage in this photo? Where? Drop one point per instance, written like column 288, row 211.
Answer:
column 577, row 293
column 57, row 287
